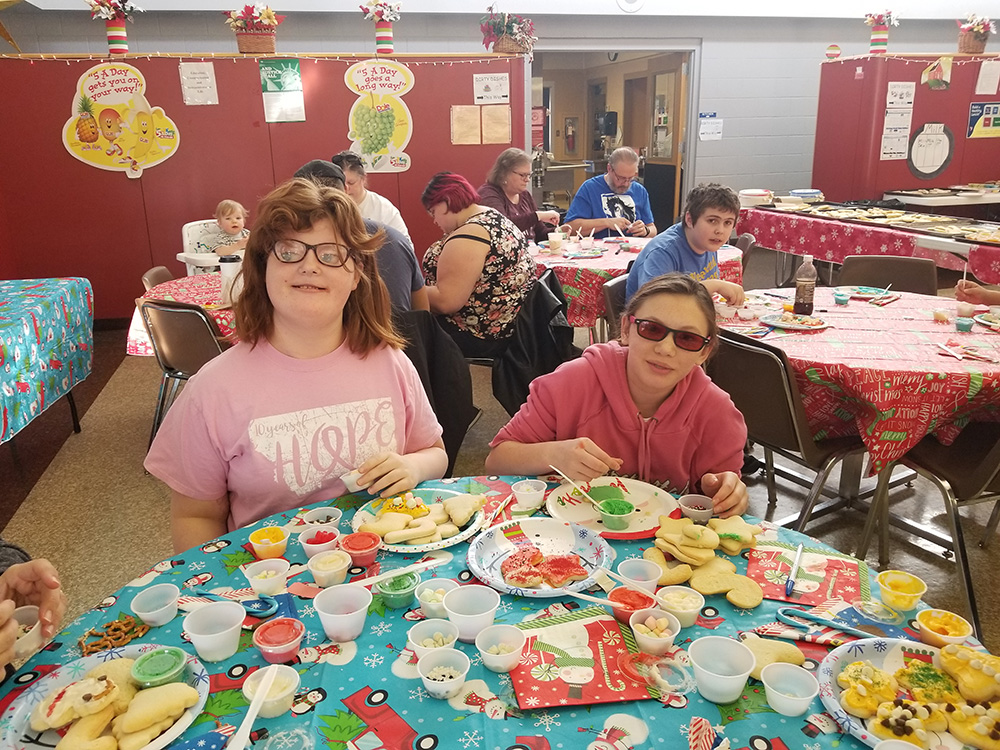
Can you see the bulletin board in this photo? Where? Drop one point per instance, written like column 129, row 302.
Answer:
column 62, row 217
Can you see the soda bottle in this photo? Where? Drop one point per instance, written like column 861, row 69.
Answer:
column 805, row 287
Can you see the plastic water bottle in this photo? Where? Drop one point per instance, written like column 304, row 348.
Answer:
column 805, row 287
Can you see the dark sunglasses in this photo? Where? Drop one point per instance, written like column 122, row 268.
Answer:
column 653, row 331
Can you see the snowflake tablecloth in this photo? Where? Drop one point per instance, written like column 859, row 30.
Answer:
column 878, row 372
column 366, row 694
column 582, row 279
column 204, row 289
column 46, row 345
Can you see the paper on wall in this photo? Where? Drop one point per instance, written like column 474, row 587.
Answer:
column 491, row 88
column 281, row 90
column 710, row 129
column 895, row 134
column 900, row 94
column 989, row 78
column 496, row 123
column 198, row 83
column 465, row 125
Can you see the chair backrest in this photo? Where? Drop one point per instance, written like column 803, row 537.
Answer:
column 745, row 241
column 904, row 273
column 762, row 385
column 614, row 304
column 192, row 234
column 184, row 336
column 156, row 275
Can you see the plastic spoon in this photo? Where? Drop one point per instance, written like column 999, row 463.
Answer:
column 242, row 736
column 630, row 585
column 415, row 568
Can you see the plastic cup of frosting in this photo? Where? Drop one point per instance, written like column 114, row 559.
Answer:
column 160, row 666
column 329, row 568
column 628, row 601
column 268, row 542
column 397, row 592
column 362, row 546
column 278, row 639
column 280, row 697
column 682, row 602
column 615, row 514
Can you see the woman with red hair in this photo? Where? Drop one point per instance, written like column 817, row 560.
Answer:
column 479, row 274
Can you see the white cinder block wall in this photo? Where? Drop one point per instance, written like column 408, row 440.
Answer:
column 760, row 75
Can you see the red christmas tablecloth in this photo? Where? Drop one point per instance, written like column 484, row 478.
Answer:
column 582, row 278
column 879, row 372
column 204, row 289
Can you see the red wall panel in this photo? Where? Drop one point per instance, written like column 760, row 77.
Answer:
column 59, row 216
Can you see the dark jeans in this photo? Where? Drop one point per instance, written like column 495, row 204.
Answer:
column 473, row 346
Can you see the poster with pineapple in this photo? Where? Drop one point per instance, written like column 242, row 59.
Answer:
column 112, row 125
column 380, row 123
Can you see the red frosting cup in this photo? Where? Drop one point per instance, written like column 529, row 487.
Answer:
column 279, row 639
column 362, row 546
column 630, row 602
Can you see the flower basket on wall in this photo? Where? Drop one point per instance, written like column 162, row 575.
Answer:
column 510, row 34
column 256, row 42
column 969, row 44
column 973, row 33
column 383, row 13
column 114, row 13
column 506, row 45
column 880, row 23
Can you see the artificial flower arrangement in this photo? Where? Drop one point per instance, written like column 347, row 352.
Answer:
column 380, row 10
column 256, row 17
column 888, row 18
column 980, row 28
column 113, row 10
column 495, row 25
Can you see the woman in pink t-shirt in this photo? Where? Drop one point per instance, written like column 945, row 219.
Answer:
column 317, row 387
column 641, row 407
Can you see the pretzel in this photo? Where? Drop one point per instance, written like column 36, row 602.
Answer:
column 116, row 634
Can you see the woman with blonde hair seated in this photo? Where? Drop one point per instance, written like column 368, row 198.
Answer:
column 317, row 387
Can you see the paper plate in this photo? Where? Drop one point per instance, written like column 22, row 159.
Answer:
column 775, row 321
column 888, row 654
column 16, row 719
column 367, row 513
column 551, row 537
column 566, row 504
column 984, row 320
column 860, row 292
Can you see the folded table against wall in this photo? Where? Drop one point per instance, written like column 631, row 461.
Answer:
column 46, row 345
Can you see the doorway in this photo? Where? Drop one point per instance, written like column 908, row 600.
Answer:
column 635, row 130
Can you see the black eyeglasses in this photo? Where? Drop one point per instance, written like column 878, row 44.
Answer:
column 653, row 331
column 328, row 253
column 522, row 175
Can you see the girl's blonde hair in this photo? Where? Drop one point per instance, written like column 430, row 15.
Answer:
column 228, row 207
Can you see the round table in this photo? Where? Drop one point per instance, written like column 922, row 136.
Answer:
column 367, row 694
column 203, row 289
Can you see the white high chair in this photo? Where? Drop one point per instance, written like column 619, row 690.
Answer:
column 191, row 234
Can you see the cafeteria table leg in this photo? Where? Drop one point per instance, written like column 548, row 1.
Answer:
column 73, row 412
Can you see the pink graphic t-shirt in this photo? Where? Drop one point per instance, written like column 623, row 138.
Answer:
column 277, row 433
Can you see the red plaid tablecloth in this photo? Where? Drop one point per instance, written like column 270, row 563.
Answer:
column 204, row 289
column 878, row 372
column 832, row 240
column 582, row 278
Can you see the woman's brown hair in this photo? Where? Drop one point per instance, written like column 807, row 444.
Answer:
column 295, row 206
column 684, row 286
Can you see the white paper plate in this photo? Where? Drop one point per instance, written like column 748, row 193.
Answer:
column 16, row 719
column 565, row 504
column 367, row 513
column 983, row 321
column 551, row 537
column 888, row 654
column 776, row 322
column 861, row 292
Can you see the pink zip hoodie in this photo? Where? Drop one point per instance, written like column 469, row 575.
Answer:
column 695, row 431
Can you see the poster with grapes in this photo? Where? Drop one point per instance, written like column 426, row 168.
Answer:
column 379, row 122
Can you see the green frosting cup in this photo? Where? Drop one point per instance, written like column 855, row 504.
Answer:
column 398, row 592
column 615, row 514
column 159, row 667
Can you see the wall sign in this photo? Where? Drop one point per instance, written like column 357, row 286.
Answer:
column 380, row 122
column 491, row 88
column 931, row 149
column 984, row 120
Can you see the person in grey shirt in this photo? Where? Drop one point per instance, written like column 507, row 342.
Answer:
column 26, row 581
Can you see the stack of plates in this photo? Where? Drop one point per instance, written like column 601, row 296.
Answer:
column 755, row 197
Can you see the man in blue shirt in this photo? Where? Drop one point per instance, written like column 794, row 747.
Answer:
column 613, row 201
column 691, row 245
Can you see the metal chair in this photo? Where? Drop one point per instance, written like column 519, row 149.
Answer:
column 614, row 304
column 761, row 383
column 904, row 273
column 184, row 337
column 156, row 275
column 967, row 472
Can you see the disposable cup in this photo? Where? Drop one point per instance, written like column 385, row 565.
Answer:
column 268, row 577
column 282, row 693
column 156, row 605
column 427, row 629
column 313, row 548
column 472, row 608
column 840, row 298
column 279, row 638
column 643, row 573
column 398, row 592
column 616, row 514
column 555, row 241
column 31, row 641
column 683, row 602
column 789, row 689
column 963, row 324
column 322, row 517
column 965, row 309
column 268, row 542
column 628, row 601
column 505, row 638
column 586, row 243
column 900, row 589
column 329, row 568
column 651, row 644
column 350, row 480
column 696, row 507
column 530, row 493
column 449, row 659
column 214, row 629
column 342, row 611
column 434, row 608
column 362, row 546
column 721, row 667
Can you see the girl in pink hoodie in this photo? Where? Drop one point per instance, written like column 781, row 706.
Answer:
column 639, row 407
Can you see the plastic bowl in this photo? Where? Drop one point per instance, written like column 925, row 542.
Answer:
column 329, row 568
column 278, row 639
column 268, row 577
column 434, row 608
column 320, row 517
column 270, row 541
column 156, row 605
column 652, row 644
column 939, row 627
column 900, row 589
column 281, row 695
column 398, row 592
column 696, row 507
column 684, row 603
column 312, row 547
column 505, row 638
column 789, row 689
column 427, row 629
